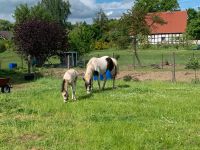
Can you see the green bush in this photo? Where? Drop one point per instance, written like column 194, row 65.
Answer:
column 193, row 63
column 2, row 46
column 123, row 42
column 127, row 78
column 99, row 45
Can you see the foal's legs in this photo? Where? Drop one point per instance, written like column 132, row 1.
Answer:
column 74, row 91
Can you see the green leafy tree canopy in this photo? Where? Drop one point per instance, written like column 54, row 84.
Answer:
column 80, row 38
column 5, row 25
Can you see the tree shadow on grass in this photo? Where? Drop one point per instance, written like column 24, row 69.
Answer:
column 17, row 77
column 84, row 97
column 95, row 91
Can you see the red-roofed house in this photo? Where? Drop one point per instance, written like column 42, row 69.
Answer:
column 171, row 32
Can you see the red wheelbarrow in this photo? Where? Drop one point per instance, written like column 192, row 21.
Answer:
column 5, row 85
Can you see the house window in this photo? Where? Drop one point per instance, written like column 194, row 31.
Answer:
column 163, row 38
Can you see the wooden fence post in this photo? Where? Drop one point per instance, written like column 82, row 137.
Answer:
column 68, row 65
column 174, row 68
column 162, row 61
column 134, row 66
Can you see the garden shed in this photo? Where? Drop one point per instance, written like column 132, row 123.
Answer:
column 69, row 58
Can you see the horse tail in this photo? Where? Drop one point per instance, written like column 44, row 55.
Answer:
column 63, row 85
column 116, row 67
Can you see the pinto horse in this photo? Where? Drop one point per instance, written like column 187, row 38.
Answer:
column 97, row 66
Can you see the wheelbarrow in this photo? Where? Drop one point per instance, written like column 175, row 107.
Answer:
column 5, row 85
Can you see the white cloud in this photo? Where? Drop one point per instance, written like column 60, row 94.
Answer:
column 82, row 10
column 109, row 13
column 7, row 7
column 86, row 9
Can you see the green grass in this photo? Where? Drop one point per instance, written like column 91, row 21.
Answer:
column 136, row 115
column 147, row 57
column 7, row 57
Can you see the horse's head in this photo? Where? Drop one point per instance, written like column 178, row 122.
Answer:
column 65, row 95
column 88, row 85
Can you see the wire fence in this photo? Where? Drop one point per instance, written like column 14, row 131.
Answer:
column 150, row 60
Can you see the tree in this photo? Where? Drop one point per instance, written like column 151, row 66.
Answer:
column 193, row 27
column 135, row 19
column 118, row 34
column 100, row 24
column 169, row 5
column 158, row 5
column 80, row 38
column 39, row 39
column 5, row 25
column 49, row 10
column 59, row 9
column 193, row 63
column 23, row 13
column 192, row 14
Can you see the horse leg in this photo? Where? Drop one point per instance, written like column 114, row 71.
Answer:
column 91, row 84
column 114, row 82
column 99, row 82
column 114, row 74
column 104, row 83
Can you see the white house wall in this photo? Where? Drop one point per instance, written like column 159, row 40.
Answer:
column 165, row 38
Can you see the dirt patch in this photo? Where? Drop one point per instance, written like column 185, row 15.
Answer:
column 182, row 76
column 30, row 137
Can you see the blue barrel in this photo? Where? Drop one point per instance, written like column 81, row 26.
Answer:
column 12, row 66
column 108, row 76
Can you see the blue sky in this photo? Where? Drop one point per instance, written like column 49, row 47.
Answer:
column 85, row 10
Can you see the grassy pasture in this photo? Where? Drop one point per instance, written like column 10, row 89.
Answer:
column 136, row 115
column 147, row 57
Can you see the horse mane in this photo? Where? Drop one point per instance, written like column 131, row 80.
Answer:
column 63, row 86
column 89, row 69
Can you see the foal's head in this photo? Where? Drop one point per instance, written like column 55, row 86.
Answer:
column 65, row 95
column 64, row 91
